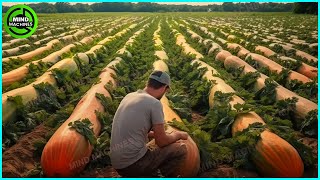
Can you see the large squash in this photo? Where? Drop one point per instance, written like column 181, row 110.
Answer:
column 275, row 67
column 304, row 69
column 275, row 157
column 21, row 72
column 303, row 106
column 29, row 93
column 33, row 53
column 67, row 152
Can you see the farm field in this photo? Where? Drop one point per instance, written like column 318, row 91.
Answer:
column 244, row 87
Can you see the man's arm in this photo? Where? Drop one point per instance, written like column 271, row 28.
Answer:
column 163, row 139
column 151, row 134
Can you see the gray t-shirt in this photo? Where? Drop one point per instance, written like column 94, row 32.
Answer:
column 134, row 118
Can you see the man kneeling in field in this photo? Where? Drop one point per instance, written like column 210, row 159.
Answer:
column 139, row 116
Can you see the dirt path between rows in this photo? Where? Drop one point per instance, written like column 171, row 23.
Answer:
column 19, row 159
column 221, row 171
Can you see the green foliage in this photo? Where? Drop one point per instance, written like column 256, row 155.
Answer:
column 35, row 70
column 133, row 72
column 293, row 65
column 108, row 104
column 12, row 64
column 243, row 144
column 47, row 98
column 18, row 62
column 30, row 115
column 179, row 102
column 305, row 8
column 281, row 77
column 267, row 95
column 65, row 7
column 56, row 119
column 187, row 77
column 220, row 117
column 307, row 90
column 292, row 53
column 13, row 131
column 100, row 154
column 17, row 101
column 246, row 80
column 39, row 146
column 192, row 82
column 309, row 125
column 306, row 48
column 286, row 108
column 235, row 150
column 211, row 154
column 35, row 172
column 81, row 65
column 117, row 93
column 9, row 136
column 83, row 127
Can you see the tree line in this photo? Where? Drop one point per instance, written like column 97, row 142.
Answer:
column 306, row 8
column 65, row 7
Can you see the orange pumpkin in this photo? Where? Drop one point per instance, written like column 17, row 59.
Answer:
column 275, row 67
column 67, row 152
column 303, row 106
column 275, row 157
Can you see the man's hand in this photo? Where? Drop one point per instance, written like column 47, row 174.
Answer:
column 163, row 139
column 183, row 135
column 151, row 134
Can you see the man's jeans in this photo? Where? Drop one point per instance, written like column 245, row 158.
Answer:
column 166, row 159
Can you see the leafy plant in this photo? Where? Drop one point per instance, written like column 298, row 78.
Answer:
column 309, row 125
column 83, row 127
column 267, row 95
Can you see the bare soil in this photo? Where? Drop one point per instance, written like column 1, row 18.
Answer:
column 196, row 116
column 19, row 159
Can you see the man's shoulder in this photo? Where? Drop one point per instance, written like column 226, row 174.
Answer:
column 144, row 96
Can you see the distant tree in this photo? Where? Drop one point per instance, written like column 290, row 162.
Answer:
column 43, row 8
column 215, row 8
column 79, row 7
column 228, row 6
column 306, row 8
column 144, row 7
column 64, row 7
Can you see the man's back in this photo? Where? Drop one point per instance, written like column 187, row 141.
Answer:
column 136, row 114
